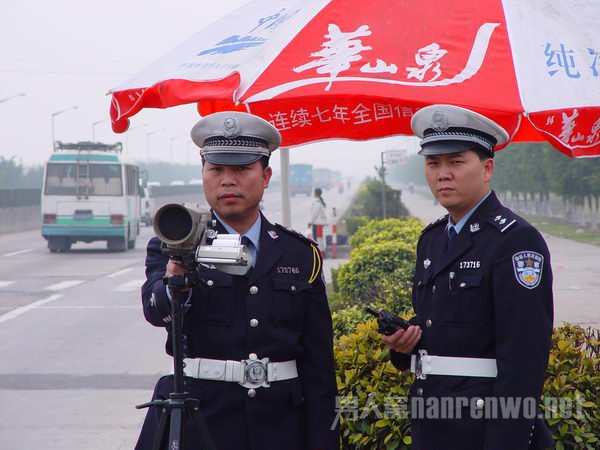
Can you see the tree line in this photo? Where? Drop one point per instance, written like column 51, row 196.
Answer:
column 13, row 175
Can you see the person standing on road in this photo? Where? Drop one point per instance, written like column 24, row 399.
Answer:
column 275, row 319
column 482, row 294
column 318, row 218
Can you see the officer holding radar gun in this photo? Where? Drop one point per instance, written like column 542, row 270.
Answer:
column 482, row 294
column 257, row 340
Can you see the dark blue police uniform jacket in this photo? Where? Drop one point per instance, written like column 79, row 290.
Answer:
column 489, row 295
column 294, row 322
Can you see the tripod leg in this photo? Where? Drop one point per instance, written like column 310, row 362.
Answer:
column 201, row 428
column 159, row 439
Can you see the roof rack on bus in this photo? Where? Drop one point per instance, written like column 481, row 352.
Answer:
column 89, row 146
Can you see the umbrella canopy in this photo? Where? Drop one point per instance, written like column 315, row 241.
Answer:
column 359, row 69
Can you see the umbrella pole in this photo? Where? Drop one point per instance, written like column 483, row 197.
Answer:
column 286, row 213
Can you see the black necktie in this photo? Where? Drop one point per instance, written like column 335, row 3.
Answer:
column 251, row 249
column 451, row 235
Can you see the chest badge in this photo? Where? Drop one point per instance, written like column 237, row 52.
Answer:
column 528, row 268
column 426, row 263
column 474, row 227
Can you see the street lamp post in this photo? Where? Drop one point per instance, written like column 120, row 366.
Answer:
column 94, row 128
column 148, row 141
column 381, row 171
column 22, row 94
column 54, row 114
column 171, row 145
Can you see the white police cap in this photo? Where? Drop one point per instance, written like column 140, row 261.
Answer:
column 451, row 129
column 233, row 138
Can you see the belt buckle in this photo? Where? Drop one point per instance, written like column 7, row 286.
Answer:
column 419, row 365
column 255, row 373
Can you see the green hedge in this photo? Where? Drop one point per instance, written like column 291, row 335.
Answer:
column 381, row 265
column 373, row 392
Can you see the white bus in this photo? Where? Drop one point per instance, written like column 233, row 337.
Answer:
column 90, row 193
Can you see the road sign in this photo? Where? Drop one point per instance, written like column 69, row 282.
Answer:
column 396, row 156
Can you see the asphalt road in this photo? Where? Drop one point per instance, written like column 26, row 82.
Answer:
column 76, row 353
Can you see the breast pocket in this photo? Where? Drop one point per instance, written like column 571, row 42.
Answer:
column 465, row 305
column 215, row 305
column 420, row 289
column 289, row 302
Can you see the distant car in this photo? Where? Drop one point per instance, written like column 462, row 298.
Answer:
column 148, row 205
column 196, row 181
column 177, row 183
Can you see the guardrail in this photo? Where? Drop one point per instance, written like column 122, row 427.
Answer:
column 20, row 208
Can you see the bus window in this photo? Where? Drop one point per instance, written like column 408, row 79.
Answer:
column 94, row 179
column 106, row 179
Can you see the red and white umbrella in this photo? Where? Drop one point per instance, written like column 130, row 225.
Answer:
column 359, row 69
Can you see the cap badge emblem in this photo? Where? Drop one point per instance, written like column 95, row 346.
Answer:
column 231, row 128
column 439, row 121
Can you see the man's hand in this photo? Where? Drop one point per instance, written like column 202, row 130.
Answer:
column 403, row 341
column 174, row 268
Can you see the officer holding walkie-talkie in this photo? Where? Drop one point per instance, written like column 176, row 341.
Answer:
column 482, row 294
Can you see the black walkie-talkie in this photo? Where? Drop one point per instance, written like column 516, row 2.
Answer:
column 388, row 322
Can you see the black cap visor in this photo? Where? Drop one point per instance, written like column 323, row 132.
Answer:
column 448, row 147
column 232, row 159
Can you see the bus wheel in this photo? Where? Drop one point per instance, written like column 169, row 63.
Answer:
column 117, row 244
column 131, row 244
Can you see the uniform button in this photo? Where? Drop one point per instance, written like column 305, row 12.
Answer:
column 419, row 391
column 293, row 288
column 433, row 289
column 251, row 393
column 254, row 323
column 253, row 356
column 210, row 282
column 463, row 284
column 479, row 403
column 254, row 290
column 428, row 323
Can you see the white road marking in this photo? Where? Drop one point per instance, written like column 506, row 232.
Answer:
column 63, row 285
column 6, row 283
column 19, row 252
column 23, row 309
column 133, row 285
column 120, row 272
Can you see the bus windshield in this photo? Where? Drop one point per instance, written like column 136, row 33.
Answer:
column 83, row 179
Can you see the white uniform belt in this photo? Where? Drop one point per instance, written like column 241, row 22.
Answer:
column 250, row 373
column 423, row 364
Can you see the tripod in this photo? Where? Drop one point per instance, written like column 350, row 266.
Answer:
column 178, row 405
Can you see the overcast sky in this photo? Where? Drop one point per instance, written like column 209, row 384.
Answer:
column 64, row 53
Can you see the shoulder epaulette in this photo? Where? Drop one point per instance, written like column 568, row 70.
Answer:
column 295, row 234
column 317, row 263
column 503, row 220
column 435, row 223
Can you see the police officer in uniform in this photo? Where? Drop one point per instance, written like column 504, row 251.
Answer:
column 482, row 295
column 275, row 319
